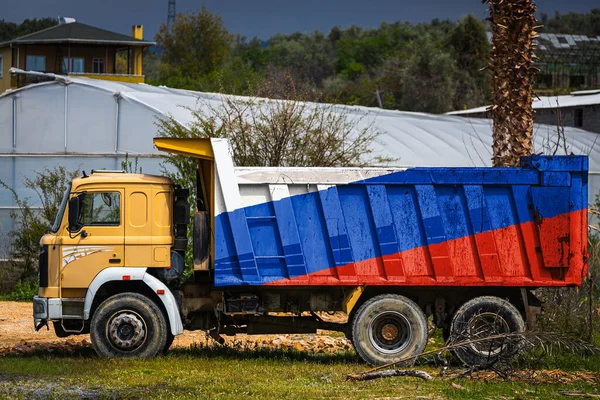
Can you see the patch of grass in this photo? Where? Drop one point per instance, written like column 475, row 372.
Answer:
column 571, row 362
column 212, row 372
column 436, row 340
column 23, row 291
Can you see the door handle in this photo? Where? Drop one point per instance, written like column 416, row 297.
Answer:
column 114, row 260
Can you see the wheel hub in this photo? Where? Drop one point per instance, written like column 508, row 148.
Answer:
column 126, row 331
column 390, row 332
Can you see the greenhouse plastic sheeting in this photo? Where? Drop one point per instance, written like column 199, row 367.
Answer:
column 90, row 123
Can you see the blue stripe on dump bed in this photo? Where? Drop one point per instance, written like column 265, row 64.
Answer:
column 352, row 223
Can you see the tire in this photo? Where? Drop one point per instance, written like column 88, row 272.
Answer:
column 170, row 338
column 348, row 330
column 481, row 317
column 388, row 328
column 128, row 325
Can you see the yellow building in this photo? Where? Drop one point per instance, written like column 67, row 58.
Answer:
column 74, row 49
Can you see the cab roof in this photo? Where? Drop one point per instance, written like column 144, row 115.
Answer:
column 120, row 178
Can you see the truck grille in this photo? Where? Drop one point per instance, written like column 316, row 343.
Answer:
column 43, row 266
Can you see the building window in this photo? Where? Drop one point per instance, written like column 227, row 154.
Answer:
column 98, row 66
column 36, row 63
column 1, row 66
column 76, row 65
column 578, row 117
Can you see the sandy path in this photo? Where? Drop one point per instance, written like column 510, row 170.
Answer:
column 16, row 325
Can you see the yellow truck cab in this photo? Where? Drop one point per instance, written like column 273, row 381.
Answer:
column 118, row 226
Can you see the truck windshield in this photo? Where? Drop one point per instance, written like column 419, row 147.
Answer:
column 61, row 210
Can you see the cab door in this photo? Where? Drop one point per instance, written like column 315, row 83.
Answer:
column 100, row 242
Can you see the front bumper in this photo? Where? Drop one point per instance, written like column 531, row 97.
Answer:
column 45, row 309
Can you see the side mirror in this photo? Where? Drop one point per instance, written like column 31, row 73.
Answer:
column 73, row 214
column 106, row 199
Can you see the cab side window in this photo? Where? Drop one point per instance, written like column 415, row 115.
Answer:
column 100, row 209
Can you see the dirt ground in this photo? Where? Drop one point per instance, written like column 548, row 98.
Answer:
column 17, row 333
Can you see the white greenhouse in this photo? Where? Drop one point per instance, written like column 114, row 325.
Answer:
column 91, row 124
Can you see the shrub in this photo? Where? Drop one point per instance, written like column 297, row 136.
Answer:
column 31, row 223
column 24, row 291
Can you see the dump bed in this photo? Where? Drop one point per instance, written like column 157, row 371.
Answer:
column 420, row 227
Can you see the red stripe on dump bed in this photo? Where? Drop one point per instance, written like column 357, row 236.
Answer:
column 510, row 256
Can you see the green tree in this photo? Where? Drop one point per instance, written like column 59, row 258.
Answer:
column 11, row 30
column 197, row 45
column 152, row 66
column 253, row 53
column 469, row 43
column 307, row 56
column 470, row 48
column 353, row 66
column 425, row 80
column 573, row 23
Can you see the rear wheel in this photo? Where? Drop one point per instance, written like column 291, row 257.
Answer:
column 388, row 328
column 128, row 325
column 482, row 317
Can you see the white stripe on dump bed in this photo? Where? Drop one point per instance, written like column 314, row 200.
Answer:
column 316, row 176
column 238, row 187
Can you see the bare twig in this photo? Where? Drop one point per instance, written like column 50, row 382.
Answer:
column 580, row 394
column 390, row 372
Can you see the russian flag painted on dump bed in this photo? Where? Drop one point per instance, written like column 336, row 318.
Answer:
column 423, row 226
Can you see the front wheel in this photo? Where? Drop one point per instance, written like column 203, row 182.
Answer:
column 128, row 325
column 388, row 328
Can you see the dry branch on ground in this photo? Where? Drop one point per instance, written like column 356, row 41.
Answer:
column 388, row 373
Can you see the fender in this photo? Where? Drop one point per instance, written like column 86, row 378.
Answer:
column 135, row 274
column 107, row 275
column 168, row 301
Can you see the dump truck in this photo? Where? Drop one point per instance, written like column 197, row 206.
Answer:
column 274, row 250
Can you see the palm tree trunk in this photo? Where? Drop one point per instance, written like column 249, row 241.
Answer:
column 513, row 31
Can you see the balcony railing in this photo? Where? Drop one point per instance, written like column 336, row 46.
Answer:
column 110, row 77
column 20, row 80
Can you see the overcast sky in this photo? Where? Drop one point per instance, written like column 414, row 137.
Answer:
column 263, row 18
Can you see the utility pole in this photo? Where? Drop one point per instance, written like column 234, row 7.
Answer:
column 171, row 15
